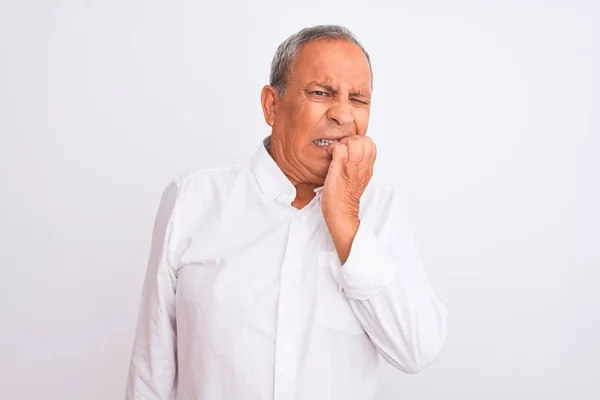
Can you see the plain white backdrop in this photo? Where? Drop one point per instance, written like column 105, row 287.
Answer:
column 485, row 115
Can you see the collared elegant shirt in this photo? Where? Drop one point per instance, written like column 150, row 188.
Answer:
column 245, row 297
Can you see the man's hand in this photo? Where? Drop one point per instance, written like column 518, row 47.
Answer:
column 349, row 173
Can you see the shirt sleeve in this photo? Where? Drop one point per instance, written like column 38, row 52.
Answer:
column 389, row 292
column 153, row 366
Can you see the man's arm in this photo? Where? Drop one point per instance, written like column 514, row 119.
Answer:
column 153, row 367
column 384, row 279
column 382, row 276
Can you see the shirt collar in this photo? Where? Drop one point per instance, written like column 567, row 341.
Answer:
column 271, row 179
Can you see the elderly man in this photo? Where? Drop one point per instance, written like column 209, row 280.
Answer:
column 286, row 279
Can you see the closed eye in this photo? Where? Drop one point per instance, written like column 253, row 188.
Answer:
column 360, row 101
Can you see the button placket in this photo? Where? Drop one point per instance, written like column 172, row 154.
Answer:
column 286, row 339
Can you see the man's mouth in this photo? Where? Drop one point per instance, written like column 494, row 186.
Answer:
column 325, row 142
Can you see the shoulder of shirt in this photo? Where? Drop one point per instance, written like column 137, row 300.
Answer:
column 197, row 189
column 191, row 195
column 202, row 178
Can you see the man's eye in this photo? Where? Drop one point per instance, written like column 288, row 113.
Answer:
column 319, row 93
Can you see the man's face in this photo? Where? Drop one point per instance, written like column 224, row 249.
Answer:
column 328, row 97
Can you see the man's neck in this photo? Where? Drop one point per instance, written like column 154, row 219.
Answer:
column 304, row 190
column 304, row 194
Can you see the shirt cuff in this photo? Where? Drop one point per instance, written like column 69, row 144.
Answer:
column 368, row 269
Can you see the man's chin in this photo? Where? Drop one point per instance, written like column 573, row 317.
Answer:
column 322, row 173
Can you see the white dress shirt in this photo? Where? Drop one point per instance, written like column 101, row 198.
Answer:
column 245, row 297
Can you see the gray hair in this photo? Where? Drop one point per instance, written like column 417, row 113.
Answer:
column 285, row 55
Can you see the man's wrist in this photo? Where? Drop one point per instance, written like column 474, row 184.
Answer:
column 342, row 212
column 342, row 229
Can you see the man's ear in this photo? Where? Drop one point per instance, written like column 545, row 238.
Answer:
column 269, row 99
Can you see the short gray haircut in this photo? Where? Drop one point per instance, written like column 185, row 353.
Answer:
column 281, row 66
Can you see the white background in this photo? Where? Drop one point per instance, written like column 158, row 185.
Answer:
column 486, row 116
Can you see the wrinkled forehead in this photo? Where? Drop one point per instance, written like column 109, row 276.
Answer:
column 339, row 64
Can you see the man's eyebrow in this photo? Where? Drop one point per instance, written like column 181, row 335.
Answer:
column 327, row 85
column 361, row 92
column 324, row 85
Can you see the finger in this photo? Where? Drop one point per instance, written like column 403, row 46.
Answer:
column 340, row 154
column 356, row 138
column 373, row 152
column 332, row 147
column 370, row 150
column 350, row 138
column 356, row 150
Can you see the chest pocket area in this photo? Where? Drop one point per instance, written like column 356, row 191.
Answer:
column 333, row 307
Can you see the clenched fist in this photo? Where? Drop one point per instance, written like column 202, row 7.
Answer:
column 349, row 173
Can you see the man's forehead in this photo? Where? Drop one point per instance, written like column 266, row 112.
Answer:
column 334, row 63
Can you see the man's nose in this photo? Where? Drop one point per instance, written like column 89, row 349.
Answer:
column 341, row 113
